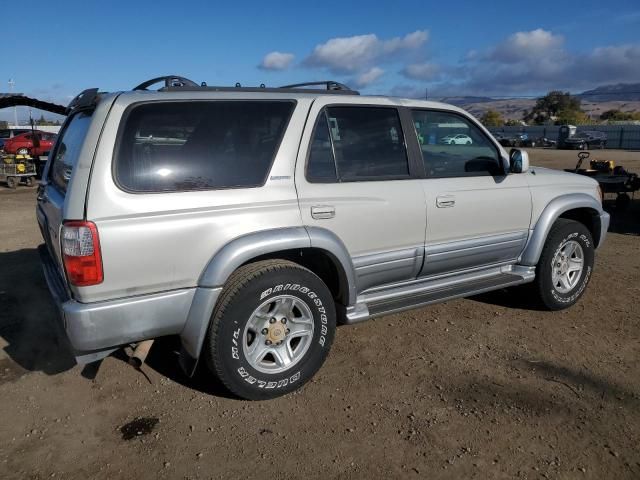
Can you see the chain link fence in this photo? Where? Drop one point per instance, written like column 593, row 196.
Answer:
column 626, row 137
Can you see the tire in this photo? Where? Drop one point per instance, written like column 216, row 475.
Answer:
column 22, row 151
column 29, row 181
column 584, row 146
column 12, row 182
column 468, row 143
column 564, row 235
column 264, row 287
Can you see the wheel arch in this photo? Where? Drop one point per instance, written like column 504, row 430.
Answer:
column 317, row 249
column 580, row 207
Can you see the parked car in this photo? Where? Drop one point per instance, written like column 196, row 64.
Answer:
column 35, row 143
column 515, row 140
column 585, row 141
column 263, row 217
column 6, row 133
column 459, row 139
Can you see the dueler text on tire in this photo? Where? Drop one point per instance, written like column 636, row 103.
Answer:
column 271, row 330
column 565, row 266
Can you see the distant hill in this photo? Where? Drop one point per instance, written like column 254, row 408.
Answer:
column 622, row 92
column 623, row 96
column 465, row 100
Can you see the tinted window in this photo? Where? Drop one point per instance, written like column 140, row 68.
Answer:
column 452, row 146
column 321, row 166
column 367, row 143
column 182, row 146
column 68, row 149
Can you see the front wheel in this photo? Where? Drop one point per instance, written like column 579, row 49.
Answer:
column 565, row 265
column 272, row 329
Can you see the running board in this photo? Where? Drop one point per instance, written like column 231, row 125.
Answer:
column 419, row 293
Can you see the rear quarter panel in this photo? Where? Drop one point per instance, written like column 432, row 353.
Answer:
column 163, row 241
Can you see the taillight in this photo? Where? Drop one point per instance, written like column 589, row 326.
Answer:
column 81, row 253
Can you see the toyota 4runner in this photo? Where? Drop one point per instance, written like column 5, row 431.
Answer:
column 250, row 221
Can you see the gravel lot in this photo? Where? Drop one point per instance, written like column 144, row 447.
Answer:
column 486, row 387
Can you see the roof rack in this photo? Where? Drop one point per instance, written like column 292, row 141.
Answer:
column 329, row 85
column 177, row 83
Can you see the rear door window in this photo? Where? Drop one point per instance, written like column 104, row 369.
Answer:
column 183, row 146
column 358, row 144
column 67, row 150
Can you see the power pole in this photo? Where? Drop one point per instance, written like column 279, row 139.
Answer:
column 15, row 109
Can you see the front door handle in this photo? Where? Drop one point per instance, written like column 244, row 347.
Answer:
column 323, row 212
column 445, row 201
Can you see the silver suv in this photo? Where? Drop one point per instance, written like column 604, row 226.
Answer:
column 250, row 221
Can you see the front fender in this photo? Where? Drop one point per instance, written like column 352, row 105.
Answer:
column 550, row 214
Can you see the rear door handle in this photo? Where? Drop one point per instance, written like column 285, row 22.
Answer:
column 322, row 212
column 445, row 201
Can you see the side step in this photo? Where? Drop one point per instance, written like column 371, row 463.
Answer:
column 420, row 293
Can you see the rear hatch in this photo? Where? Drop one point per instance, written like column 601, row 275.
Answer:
column 62, row 192
column 52, row 192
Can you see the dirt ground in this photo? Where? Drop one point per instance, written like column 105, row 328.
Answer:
column 486, row 387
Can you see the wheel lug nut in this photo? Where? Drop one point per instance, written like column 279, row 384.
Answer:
column 268, row 342
column 272, row 320
column 265, row 331
column 284, row 320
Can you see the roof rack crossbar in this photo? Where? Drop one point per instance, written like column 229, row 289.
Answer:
column 169, row 81
column 329, row 85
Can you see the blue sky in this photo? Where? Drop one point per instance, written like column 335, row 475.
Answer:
column 398, row 47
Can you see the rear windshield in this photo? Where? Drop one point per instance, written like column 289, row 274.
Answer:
column 67, row 150
column 182, row 146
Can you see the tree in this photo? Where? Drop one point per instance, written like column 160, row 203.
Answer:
column 492, row 118
column 619, row 116
column 555, row 106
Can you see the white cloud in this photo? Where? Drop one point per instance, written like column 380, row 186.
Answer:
column 421, row 71
column 536, row 44
column 276, row 61
column 370, row 76
column 535, row 61
column 357, row 53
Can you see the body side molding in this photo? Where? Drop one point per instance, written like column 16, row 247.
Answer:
column 549, row 215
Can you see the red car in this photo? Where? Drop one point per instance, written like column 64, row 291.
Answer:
column 34, row 143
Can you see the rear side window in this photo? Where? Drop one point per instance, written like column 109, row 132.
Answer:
column 68, row 148
column 183, row 146
column 357, row 144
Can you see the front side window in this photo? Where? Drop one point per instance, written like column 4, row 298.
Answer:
column 452, row 146
column 362, row 143
column 183, row 146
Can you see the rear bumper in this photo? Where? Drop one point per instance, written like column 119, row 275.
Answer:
column 97, row 326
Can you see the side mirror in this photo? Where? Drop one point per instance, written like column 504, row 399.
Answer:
column 518, row 161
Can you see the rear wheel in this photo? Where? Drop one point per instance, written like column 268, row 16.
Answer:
column 29, row 181
column 565, row 265
column 271, row 330
column 12, row 182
